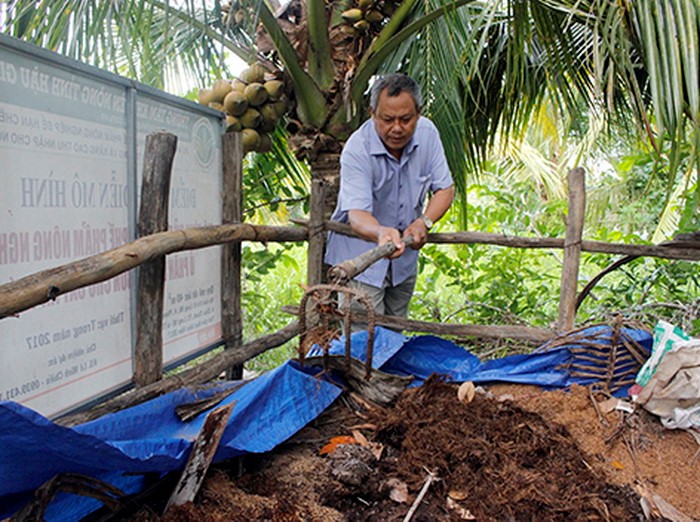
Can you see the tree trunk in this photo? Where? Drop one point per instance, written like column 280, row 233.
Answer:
column 326, row 166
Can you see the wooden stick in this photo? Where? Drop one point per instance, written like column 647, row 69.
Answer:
column 428, row 480
column 673, row 250
column 231, row 253
column 158, row 157
column 572, row 249
column 202, row 373
column 46, row 285
column 526, row 333
column 317, row 235
column 345, row 271
column 200, row 458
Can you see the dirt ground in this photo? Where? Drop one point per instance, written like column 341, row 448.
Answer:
column 513, row 453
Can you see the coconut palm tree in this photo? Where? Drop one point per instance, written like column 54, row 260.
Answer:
column 486, row 66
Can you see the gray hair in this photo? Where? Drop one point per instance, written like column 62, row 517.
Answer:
column 394, row 84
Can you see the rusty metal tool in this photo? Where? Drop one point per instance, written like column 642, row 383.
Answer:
column 325, row 302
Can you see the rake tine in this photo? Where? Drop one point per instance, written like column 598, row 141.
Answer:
column 585, row 374
column 582, row 357
column 636, row 350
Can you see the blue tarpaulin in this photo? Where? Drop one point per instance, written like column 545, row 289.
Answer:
column 149, row 438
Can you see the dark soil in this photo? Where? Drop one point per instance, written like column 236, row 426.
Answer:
column 490, row 459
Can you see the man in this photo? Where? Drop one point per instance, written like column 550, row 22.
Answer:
column 387, row 168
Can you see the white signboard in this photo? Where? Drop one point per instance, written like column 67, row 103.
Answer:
column 64, row 160
column 64, row 197
column 192, row 308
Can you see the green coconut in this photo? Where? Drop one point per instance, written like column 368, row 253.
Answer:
column 253, row 74
column 256, row 94
column 361, row 26
column 281, row 106
column 220, row 89
column 269, row 113
column 235, row 103
column 373, row 16
column 251, row 139
column 274, row 89
column 251, row 118
column 233, row 124
column 352, row 15
column 205, row 96
column 238, row 85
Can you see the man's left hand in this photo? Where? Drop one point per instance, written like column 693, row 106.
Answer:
column 419, row 231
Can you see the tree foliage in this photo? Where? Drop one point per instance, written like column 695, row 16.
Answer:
column 487, row 67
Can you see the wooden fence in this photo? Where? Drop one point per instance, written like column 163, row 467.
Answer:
column 155, row 242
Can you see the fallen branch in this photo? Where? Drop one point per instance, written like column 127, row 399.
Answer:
column 202, row 373
column 428, row 480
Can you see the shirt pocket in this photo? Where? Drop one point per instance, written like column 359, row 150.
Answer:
column 421, row 191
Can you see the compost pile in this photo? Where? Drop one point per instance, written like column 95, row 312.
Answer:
column 509, row 453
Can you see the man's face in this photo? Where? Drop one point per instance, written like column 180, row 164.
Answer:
column 395, row 119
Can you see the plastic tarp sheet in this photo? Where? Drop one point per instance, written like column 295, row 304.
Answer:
column 149, row 438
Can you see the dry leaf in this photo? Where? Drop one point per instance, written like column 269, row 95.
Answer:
column 365, row 426
column 360, row 438
column 608, row 405
column 399, row 490
column 654, row 505
column 462, row 512
column 457, row 494
column 377, row 450
column 466, row 392
column 335, row 442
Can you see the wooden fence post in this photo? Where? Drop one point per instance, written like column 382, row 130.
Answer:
column 317, row 237
column 231, row 213
column 572, row 249
column 159, row 153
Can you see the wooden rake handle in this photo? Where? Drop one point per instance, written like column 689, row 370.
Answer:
column 345, row 271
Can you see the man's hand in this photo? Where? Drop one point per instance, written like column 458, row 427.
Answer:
column 436, row 208
column 367, row 227
column 419, row 231
column 391, row 235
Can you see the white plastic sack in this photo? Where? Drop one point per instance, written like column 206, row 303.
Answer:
column 673, row 390
column 666, row 336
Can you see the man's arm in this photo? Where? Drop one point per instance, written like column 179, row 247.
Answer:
column 365, row 225
column 438, row 204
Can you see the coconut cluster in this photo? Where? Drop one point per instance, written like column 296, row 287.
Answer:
column 253, row 106
column 368, row 16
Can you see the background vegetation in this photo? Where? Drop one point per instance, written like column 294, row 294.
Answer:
column 522, row 91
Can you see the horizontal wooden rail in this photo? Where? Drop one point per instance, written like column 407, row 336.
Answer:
column 202, row 373
column 46, row 285
column 525, row 333
column 669, row 250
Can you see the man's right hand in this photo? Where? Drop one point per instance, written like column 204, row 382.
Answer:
column 391, row 235
column 365, row 225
